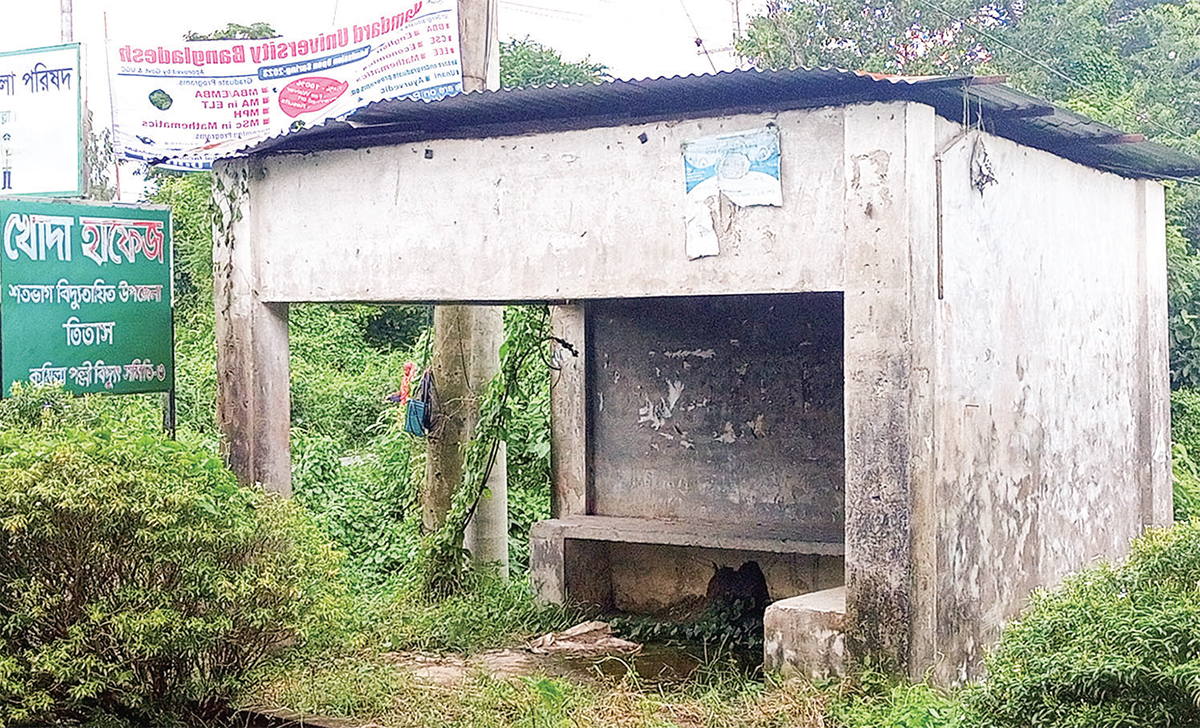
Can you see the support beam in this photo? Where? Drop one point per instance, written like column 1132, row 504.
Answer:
column 253, row 403
column 568, row 414
column 1154, row 396
column 879, row 376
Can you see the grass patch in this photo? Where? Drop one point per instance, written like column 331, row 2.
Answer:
column 872, row 699
column 367, row 688
column 488, row 613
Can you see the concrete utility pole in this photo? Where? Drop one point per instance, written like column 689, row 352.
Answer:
column 466, row 348
column 67, row 14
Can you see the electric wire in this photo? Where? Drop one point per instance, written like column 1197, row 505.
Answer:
column 700, row 41
column 544, row 11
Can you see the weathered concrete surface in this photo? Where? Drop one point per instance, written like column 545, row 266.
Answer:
column 884, row 377
column 718, row 409
column 805, row 634
column 650, row 566
column 570, row 215
column 665, row 579
column 253, row 384
column 568, row 412
column 1051, row 421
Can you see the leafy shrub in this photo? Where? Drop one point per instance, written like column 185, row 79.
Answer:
column 368, row 508
column 137, row 579
column 1183, row 309
column 1185, row 484
column 872, row 699
column 1185, row 419
column 339, row 381
column 190, row 198
column 1113, row 646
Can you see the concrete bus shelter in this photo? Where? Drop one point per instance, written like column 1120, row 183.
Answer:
column 930, row 380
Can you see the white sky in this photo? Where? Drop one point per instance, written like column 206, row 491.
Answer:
column 634, row 38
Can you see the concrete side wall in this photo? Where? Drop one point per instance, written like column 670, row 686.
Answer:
column 1051, row 408
column 591, row 213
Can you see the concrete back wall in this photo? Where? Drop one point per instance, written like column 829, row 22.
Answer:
column 1051, row 387
column 721, row 409
column 580, row 214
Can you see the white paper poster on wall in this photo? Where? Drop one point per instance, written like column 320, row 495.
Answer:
column 40, row 147
column 176, row 97
column 742, row 168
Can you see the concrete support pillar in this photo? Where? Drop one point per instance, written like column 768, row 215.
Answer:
column 1153, row 399
column 568, row 414
column 885, row 457
column 253, row 394
column 920, row 226
column 479, row 41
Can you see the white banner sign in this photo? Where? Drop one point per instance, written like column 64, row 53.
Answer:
column 40, row 148
column 174, row 98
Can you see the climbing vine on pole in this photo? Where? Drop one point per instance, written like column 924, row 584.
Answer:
column 441, row 562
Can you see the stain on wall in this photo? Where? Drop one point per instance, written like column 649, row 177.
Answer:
column 720, row 408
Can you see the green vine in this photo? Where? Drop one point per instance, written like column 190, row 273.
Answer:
column 441, row 562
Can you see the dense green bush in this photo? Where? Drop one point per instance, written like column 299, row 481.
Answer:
column 1185, row 444
column 137, row 579
column 1113, row 646
column 369, row 508
column 1183, row 304
column 1185, row 484
column 1185, row 419
column 339, row 380
column 872, row 699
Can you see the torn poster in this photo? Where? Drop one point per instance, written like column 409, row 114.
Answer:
column 742, row 168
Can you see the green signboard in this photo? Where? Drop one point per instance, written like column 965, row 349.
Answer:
column 85, row 296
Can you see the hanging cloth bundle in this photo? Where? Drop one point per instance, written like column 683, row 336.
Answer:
column 418, row 418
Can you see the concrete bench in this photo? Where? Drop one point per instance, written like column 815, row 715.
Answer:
column 612, row 561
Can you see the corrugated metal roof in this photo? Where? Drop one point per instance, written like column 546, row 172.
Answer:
column 985, row 101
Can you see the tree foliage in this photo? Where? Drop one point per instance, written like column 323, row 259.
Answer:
column 234, row 31
column 885, row 36
column 526, row 62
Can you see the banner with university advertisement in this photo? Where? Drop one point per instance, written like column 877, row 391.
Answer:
column 85, row 296
column 171, row 98
column 40, row 138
